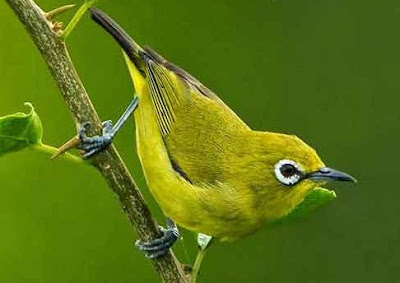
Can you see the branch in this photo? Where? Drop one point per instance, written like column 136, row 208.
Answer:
column 109, row 163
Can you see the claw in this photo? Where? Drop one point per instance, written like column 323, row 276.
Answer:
column 160, row 246
column 107, row 123
column 90, row 153
column 90, row 145
column 82, row 130
column 95, row 144
column 107, row 127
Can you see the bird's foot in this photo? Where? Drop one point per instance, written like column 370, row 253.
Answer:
column 159, row 247
column 95, row 144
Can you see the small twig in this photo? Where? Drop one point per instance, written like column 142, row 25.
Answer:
column 204, row 242
column 52, row 150
column 58, row 11
column 75, row 19
column 197, row 264
column 109, row 164
column 72, row 143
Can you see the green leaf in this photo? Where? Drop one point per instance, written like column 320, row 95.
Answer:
column 312, row 202
column 20, row 130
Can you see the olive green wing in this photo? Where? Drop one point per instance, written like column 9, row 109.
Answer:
column 196, row 126
column 193, row 82
column 164, row 95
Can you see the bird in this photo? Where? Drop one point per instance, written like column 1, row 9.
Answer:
column 207, row 169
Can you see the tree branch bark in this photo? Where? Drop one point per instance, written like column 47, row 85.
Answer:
column 109, row 163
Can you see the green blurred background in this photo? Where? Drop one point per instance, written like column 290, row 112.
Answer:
column 324, row 70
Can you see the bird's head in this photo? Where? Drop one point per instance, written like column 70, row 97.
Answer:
column 293, row 169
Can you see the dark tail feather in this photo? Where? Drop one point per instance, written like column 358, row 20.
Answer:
column 131, row 48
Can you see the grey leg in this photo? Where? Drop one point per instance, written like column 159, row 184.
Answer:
column 96, row 144
column 160, row 246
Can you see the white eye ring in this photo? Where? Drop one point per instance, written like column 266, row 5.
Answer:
column 287, row 180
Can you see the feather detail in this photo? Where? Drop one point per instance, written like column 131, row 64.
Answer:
column 163, row 94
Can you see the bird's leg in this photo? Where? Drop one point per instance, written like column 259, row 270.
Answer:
column 160, row 246
column 95, row 144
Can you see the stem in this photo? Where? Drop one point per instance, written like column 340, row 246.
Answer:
column 52, row 150
column 203, row 242
column 75, row 19
column 108, row 162
column 58, row 11
column 197, row 264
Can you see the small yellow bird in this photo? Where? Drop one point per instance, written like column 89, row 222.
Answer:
column 208, row 171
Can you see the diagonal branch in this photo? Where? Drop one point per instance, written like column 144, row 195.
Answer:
column 109, row 163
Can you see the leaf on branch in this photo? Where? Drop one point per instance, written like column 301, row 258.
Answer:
column 312, row 202
column 20, row 130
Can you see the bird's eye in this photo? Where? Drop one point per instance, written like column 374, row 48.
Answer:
column 288, row 172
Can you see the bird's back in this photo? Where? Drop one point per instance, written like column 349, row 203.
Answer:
column 200, row 132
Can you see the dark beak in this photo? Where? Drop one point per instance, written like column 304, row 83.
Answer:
column 329, row 174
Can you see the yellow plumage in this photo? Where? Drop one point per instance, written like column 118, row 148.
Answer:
column 208, row 171
column 220, row 184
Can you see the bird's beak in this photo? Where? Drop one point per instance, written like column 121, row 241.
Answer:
column 329, row 174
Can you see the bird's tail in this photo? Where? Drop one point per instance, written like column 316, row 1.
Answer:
column 131, row 48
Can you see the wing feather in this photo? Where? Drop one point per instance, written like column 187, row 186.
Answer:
column 198, row 129
column 164, row 95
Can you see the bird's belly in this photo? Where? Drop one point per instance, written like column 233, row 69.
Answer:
column 193, row 207
column 179, row 200
column 182, row 202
